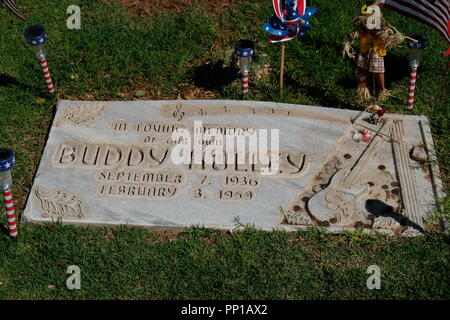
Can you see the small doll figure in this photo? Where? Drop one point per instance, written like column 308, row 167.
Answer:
column 375, row 116
column 376, row 35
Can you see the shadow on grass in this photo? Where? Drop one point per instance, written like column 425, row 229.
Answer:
column 324, row 97
column 214, row 76
column 348, row 82
column 4, row 230
column 397, row 68
column 6, row 80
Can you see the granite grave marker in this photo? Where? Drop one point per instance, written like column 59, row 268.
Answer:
column 129, row 162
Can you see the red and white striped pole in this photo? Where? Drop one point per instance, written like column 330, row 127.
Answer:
column 412, row 86
column 10, row 214
column 47, row 76
column 416, row 42
column 245, row 84
column 6, row 164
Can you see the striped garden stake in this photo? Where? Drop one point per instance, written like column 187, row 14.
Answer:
column 415, row 55
column 47, row 76
column 36, row 37
column 244, row 50
column 6, row 164
column 10, row 215
column 412, row 87
column 245, row 84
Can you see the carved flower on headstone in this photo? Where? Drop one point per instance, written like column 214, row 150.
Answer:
column 60, row 204
column 84, row 113
column 385, row 223
column 299, row 217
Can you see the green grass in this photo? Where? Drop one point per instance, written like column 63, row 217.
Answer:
column 127, row 263
column 113, row 55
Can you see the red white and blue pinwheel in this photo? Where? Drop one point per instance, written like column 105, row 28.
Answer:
column 291, row 20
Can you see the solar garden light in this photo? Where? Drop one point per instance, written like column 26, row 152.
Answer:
column 415, row 56
column 244, row 50
column 6, row 165
column 36, row 37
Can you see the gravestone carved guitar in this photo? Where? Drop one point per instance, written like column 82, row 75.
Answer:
column 340, row 201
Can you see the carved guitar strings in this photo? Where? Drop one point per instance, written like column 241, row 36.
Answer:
column 339, row 202
column 406, row 178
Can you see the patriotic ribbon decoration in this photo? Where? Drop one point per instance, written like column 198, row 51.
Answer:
column 289, row 14
column 12, row 6
column 291, row 20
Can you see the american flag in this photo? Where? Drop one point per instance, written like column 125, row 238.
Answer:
column 435, row 13
column 11, row 5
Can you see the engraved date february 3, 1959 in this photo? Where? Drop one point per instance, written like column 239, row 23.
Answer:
column 239, row 195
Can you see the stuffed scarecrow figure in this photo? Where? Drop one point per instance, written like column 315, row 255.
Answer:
column 375, row 36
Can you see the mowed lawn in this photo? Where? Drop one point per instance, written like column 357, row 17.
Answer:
column 188, row 55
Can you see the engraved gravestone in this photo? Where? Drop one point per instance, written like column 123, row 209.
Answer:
column 174, row 164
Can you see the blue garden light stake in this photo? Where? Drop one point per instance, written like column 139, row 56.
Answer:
column 6, row 164
column 291, row 20
column 36, row 36
column 415, row 57
column 244, row 49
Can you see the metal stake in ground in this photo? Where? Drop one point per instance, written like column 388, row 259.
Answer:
column 282, row 68
column 415, row 56
column 36, row 36
column 244, row 49
column 6, row 164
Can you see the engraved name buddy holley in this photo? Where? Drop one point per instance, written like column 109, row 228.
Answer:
column 127, row 183
column 113, row 156
column 133, row 171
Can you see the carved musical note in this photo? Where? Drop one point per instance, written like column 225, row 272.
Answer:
column 178, row 114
